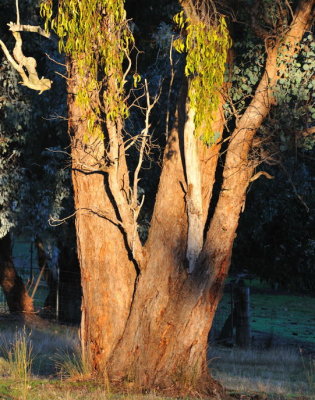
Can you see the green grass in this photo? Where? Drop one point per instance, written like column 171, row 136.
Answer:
column 289, row 317
column 17, row 362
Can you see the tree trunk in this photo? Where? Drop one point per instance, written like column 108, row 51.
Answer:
column 12, row 285
column 107, row 273
column 147, row 310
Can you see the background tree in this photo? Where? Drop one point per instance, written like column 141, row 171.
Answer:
column 148, row 320
column 35, row 182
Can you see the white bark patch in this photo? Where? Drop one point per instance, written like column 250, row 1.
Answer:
column 193, row 197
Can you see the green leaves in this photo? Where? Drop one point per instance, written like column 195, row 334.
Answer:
column 206, row 47
column 136, row 80
column 95, row 34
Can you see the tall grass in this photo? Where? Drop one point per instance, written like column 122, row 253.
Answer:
column 18, row 358
column 72, row 365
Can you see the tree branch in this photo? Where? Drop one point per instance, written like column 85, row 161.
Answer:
column 25, row 66
column 13, row 27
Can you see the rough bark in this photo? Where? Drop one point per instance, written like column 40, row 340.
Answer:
column 12, row 285
column 145, row 319
column 164, row 343
column 107, row 274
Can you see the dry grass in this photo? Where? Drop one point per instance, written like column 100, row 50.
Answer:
column 46, row 344
column 278, row 371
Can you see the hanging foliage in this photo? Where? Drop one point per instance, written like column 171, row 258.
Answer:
column 95, row 34
column 206, row 45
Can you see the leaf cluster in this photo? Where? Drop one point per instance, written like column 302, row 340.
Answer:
column 96, row 36
column 206, row 47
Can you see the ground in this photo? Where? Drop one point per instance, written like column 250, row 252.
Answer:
column 279, row 366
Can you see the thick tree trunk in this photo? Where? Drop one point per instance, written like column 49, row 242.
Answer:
column 164, row 343
column 12, row 285
column 147, row 310
column 107, row 274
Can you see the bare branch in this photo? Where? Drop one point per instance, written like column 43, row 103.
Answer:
column 13, row 27
column 101, row 213
column 53, row 60
column 259, row 174
column 21, row 63
column 298, row 196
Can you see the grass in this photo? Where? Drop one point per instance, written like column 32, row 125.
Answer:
column 309, row 368
column 49, row 390
column 287, row 317
column 17, row 361
column 276, row 371
column 71, row 365
column 280, row 373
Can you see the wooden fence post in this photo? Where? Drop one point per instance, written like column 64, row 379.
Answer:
column 242, row 302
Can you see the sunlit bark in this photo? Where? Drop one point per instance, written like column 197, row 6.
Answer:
column 145, row 317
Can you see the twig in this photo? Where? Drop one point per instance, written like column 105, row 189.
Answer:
column 103, row 214
column 259, row 174
column 298, row 196
column 53, row 60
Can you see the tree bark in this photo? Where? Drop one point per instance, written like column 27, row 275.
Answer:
column 107, row 274
column 18, row 300
column 147, row 310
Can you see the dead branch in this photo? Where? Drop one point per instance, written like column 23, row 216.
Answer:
column 25, row 66
column 13, row 27
column 101, row 213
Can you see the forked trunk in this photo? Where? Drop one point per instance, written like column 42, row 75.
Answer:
column 18, row 299
column 147, row 310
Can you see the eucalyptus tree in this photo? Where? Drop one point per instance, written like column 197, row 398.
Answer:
column 148, row 307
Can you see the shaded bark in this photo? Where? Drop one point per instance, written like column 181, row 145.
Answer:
column 12, row 285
